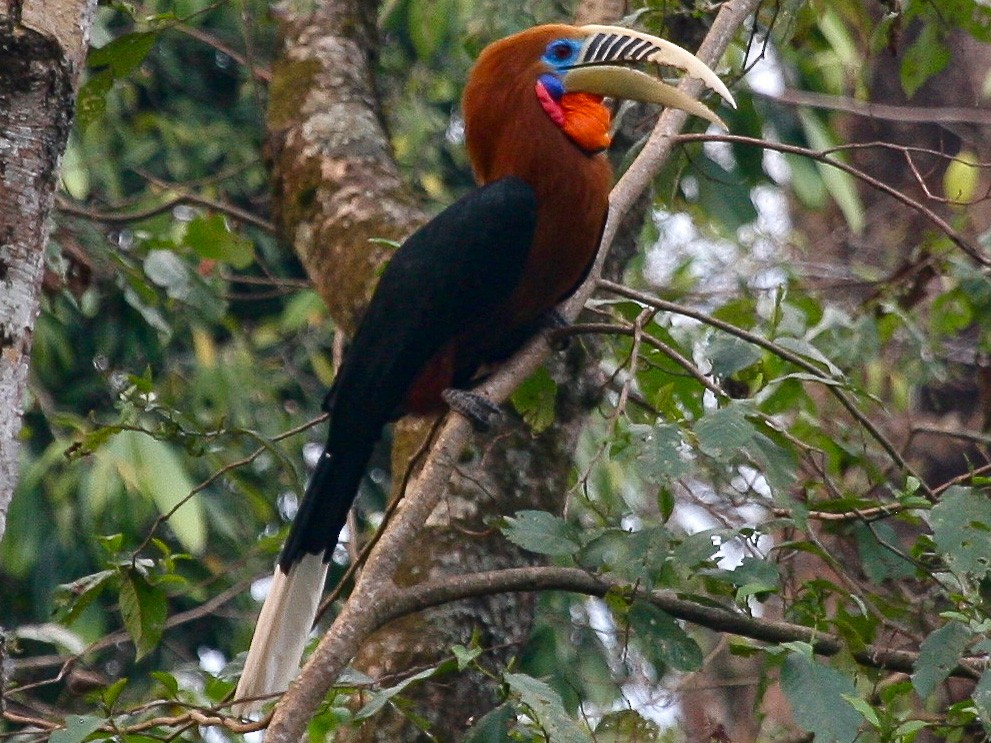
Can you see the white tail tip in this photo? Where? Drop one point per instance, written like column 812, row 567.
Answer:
column 281, row 632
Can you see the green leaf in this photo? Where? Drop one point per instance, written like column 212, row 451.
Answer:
column 927, row 56
column 818, row 696
column 938, row 655
column 534, row 400
column 722, row 432
column 381, row 698
column 879, row 562
column 662, row 640
column 168, row 682
column 112, row 693
column 728, row 355
column 465, row 655
column 153, row 469
column 124, row 54
column 961, row 524
column 660, row 454
column 143, row 608
column 493, row 727
column 762, row 575
column 91, row 103
column 543, row 533
column 77, row 729
column 210, row 237
column 547, row 709
column 841, row 185
column 864, row 708
column 76, row 596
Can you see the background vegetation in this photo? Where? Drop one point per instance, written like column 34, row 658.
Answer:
column 790, row 430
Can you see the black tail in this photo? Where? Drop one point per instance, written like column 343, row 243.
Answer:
column 324, row 510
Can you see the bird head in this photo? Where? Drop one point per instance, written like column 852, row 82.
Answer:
column 568, row 69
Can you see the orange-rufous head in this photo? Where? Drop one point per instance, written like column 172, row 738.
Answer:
column 563, row 72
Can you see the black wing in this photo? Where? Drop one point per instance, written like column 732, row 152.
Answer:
column 442, row 280
column 451, row 272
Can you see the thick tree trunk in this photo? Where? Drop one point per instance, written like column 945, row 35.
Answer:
column 42, row 48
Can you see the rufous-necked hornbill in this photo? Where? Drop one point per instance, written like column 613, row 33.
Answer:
column 475, row 282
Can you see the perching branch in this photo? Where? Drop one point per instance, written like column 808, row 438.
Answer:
column 363, row 613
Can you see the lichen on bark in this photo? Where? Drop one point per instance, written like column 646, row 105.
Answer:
column 41, row 53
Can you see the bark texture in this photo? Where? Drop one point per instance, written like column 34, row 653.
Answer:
column 336, row 185
column 42, row 48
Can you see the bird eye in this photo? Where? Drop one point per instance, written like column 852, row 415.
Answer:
column 560, row 51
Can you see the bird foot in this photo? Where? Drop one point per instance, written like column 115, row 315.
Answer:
column 481, row 413
column 551, row 322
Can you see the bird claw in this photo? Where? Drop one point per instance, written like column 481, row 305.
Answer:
column 481, row 413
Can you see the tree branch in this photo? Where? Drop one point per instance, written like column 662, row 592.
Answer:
column 717, row 618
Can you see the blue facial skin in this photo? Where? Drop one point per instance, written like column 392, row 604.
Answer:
column 562, row 54
column 553, row 85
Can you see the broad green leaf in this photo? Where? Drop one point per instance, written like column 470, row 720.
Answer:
column 168, row 682
column 143, row 608
column 76, row 596
column 210, row 237
column 381, row 698
column 543, row 533
column 547, row 708
column 77, row 729
column 724, row 431
column 961, row 524
column 938, row 655
column 662, row 640
column 124, row 54
column 493, row 727
column 879, row 562
column 697, row 549
column 635, row 557
column 729, row 354
column 91, row 102
column 817, row 694
column 864, row 708
column 661, row 457
column 841, row 186
column 924, row 58
column 112, row 693
column 534, row 400
column 153, row 469
column 760, row 574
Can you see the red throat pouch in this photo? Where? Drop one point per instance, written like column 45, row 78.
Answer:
column 586, row 121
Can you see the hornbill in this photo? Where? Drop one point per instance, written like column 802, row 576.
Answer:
column 469, row 287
